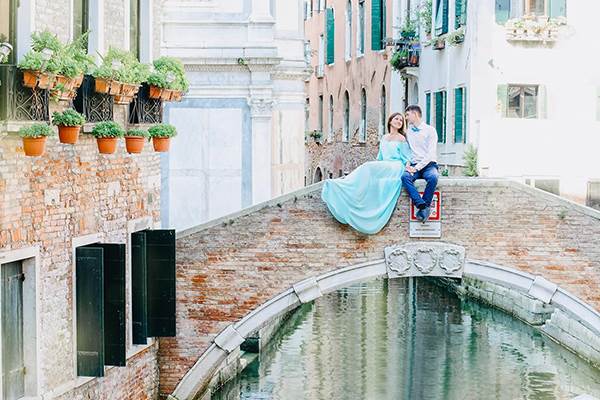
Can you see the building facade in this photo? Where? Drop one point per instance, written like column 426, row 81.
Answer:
column 492, row 75
column 348, row 94
column 71, row 221
column 242, row 124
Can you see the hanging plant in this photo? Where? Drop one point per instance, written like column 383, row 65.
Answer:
column 34, row 138
column 134, row 140
column 168, row 81
column 106, row 134
column 161, row 135
column 69, row 124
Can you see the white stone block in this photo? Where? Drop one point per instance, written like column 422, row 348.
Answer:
column 542, row 289
column 307, row 290
column 229, row 339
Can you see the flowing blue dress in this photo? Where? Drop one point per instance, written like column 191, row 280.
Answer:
column 366, row 198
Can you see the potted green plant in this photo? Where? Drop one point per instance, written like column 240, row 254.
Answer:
column 439, row 43
column 41, row 64
column 134, row 140
column 69, row 123
column 106, row 134
column 34, row 138
column 120, row 74
column 161, row 135
column 167, row 81
column 409, row 30
column 75, row 62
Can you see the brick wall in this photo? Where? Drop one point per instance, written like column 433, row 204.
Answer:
column 69, row 192
column 226, row 270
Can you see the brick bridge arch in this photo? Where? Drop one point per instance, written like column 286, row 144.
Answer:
column 235, row 273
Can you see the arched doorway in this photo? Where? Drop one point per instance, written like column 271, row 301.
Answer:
column 318, row 175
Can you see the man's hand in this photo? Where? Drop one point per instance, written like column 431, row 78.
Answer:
column 411, row 169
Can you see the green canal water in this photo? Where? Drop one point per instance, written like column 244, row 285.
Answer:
column 409, row 339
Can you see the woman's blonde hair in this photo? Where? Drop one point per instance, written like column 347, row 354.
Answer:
column 402, row 131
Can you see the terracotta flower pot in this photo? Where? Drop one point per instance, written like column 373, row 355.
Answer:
column 68, row 134
column 130, row 89
column 30, row 79
column 134, row 144
column 34, row 146
column 44, row 81
column 123, row 100
column 177, row 95
column 166, row 94
column 102, row 85
column 155, row 92
column 115, row 88
column 161, row 144
column 67, row 83
column 107, row 145
column 77, row 81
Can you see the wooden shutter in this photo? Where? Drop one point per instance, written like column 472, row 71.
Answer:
column 160, row 263
column 445, row 13
column 13, row 366
column 460, row 11
column 502, row 100
column 502, row 11
column 558, row 8
column 458, row 115
column 138, row 288
column 114, row 304
column 440, row 124
column 330, row 36
column 428, row 108
column 376, row 25
column 89, row 284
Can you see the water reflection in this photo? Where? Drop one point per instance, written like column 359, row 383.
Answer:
column 409, row 339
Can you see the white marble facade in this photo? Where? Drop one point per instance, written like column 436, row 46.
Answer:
column 241, row 125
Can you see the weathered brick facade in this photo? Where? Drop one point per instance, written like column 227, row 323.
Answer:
column 226, row 270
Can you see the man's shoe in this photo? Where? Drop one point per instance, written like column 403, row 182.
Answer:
column 419, row 215
column 425, row 213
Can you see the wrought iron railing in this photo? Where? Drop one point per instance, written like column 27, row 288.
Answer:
column 19, row 103
column 96, row 107
column 407, row 53
column 143, row 109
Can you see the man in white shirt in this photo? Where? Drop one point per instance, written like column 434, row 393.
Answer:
column 422, row 139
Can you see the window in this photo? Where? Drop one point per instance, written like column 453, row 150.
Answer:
column 440, row 116
column 307, row 114
column 320, row 5
column 428, row 108
column 330, row 118
column 522, row 101
column 377, row 24
column 363, row 116
column 80, row 18
column 441, row 17
column 593, row 195
column 321, row 56
column 360, row 45
column 382, row 112
column 100, row 297
column 320, row 122
column 330, row 36
column 460, row 18
column 346, row 131
column 460, row 115
column 134, row 27
column 506, row 9
column 348, row 30
column 8, row 25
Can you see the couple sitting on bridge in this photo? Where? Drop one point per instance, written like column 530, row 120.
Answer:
column 366, row 198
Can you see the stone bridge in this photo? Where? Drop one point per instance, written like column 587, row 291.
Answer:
column 528, row 252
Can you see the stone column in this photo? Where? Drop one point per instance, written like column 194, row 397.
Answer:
column 261, row 114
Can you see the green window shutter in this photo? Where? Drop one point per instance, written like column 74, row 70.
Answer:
column 439, row 116
column 428, row 108
column 138, row 288
column 502, row 11
column 460, row 9
column 114, row 304
column 458, row 115
column 502, row 99
column 383, row 23
column 13, row 366
column 160, row 264
column 89, row 283
column 376, row 25
column 558, row 8
column 330, row 36
column 445, row 14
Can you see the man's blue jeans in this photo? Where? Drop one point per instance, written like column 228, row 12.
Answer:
column 430, row 174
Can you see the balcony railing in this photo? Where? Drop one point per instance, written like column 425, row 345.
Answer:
column 406, row 54
column 96, row 107
column 18, row 103
column 143, row 109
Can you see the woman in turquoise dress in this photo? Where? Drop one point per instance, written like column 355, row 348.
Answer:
column 366, row 198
